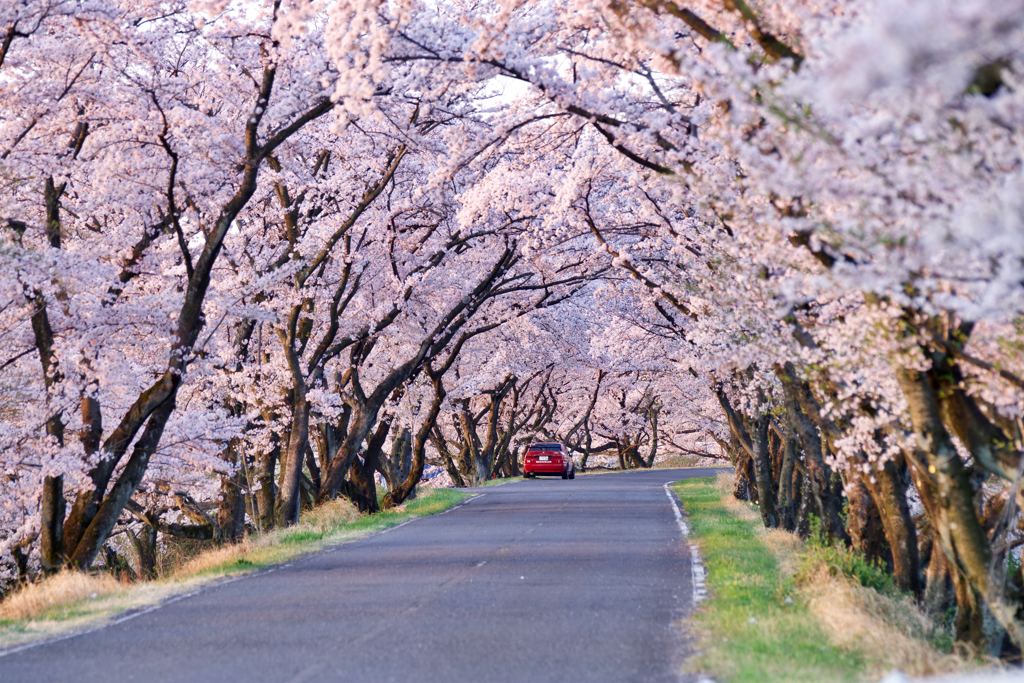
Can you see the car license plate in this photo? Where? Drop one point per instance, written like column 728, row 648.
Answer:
column 543, row 457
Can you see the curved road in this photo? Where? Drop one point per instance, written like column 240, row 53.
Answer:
column 543, row 580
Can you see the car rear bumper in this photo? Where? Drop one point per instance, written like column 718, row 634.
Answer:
column 544, row 468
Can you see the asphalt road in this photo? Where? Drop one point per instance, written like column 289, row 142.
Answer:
column 544, row 580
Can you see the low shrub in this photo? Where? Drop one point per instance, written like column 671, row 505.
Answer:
column 842, row 561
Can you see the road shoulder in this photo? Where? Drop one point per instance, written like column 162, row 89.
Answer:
column 783, row 609
column 72, row 603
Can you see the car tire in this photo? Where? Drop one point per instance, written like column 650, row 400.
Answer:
column 565, row 474
column 572, row 473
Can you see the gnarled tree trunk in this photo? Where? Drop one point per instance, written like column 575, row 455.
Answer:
column 944, row 483
column 401, row 492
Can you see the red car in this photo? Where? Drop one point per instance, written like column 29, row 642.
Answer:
column 548, row 458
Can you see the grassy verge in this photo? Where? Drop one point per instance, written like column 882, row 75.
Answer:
column 780, row 610
column 500, row 482
column 72, row 601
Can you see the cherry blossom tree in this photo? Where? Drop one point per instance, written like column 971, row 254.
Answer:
column 814, row 205
column 298, row 243
column 112, row 298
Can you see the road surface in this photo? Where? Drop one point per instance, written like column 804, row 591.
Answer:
column 543, row 580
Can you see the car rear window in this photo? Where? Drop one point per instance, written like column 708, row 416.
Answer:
column 546, row 447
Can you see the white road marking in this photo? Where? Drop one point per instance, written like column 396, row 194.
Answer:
column 696, row 566
column 456, row 507
column 398, row 526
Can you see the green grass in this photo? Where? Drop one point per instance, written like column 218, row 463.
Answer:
column 749, row 631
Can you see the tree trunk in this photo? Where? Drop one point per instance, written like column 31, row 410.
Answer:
column 806, row 509
column 231, row 508
column 51, row 533
column 864, row 524
column 363, row 420
column 938, row 592
column 889, row 492
column 801, row 411
column 744, row 458
column 404, row 490
column 145, row 548
column 633, row 456
column 314, row 470
column 265, row 497
column 289, row 499
column 653, row 453
column 776, row 451
column 787, row 505
column 51, row 536
column 20, row 556
column 589, row 443
column 741, row 489
column 87, row 501
column 363, row 470
column 364, row 417
column 441, row 444
column 396, row 466
column 956, row 520
column 763, row 473
column 513, row 463
column 99, row 529
column 481, row 468
column 464, row 461
column 282, row 467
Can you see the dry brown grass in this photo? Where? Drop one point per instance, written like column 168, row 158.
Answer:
column 743, row 510
column 723, row 483
column 784, row 547
column 333, row 514
column 320, row 520
column 675, row 461
column 893, row 631
column 212, row 558
column 65, row 603
column 36, row 599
